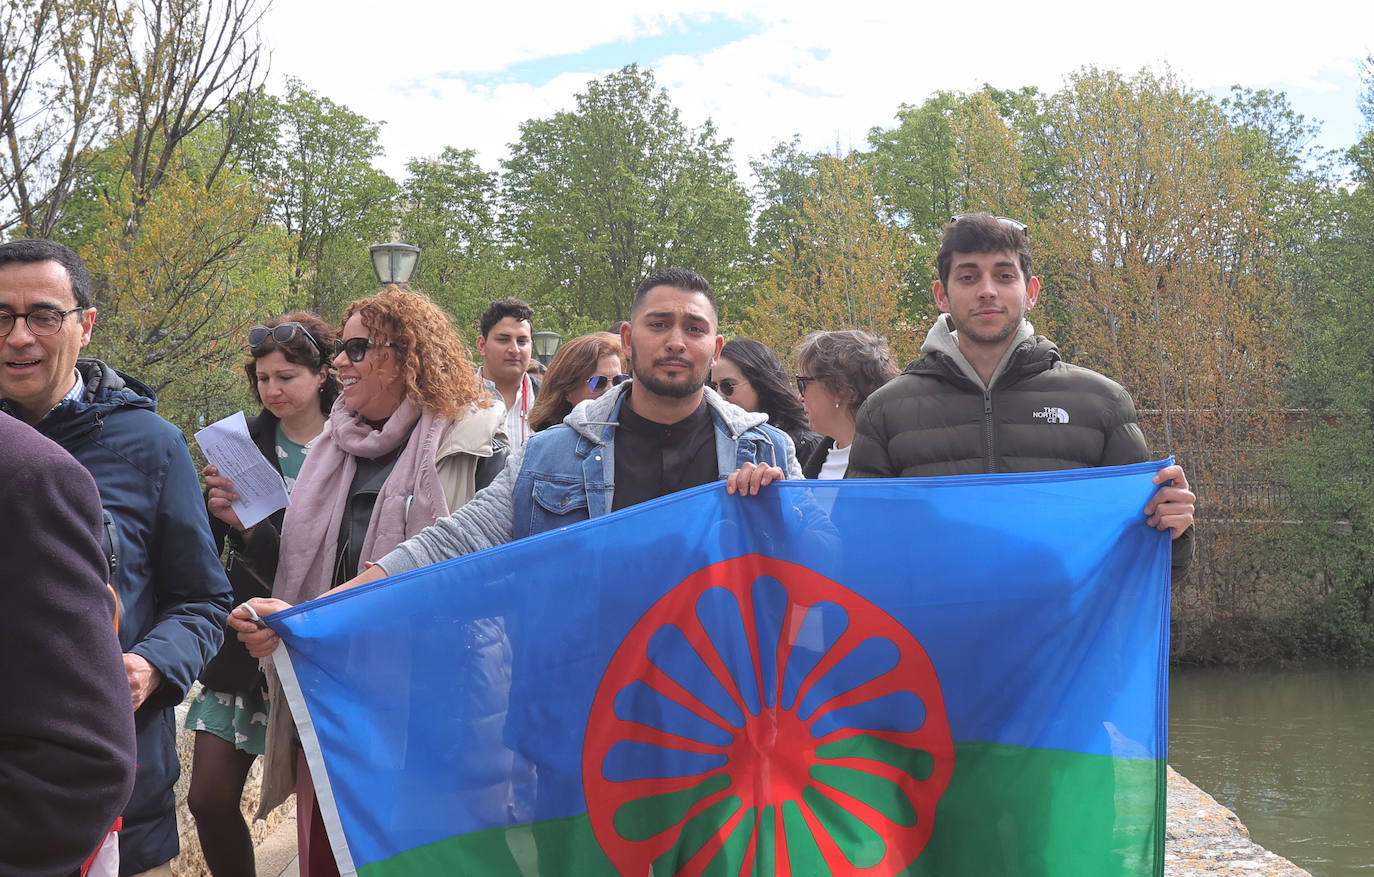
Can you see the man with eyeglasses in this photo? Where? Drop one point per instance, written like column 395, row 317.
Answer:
column 171, row 589
column 989, row 395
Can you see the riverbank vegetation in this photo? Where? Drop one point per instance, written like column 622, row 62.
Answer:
column 1200, row 250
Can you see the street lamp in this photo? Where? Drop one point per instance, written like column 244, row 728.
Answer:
column 394, row 262
column 545, row 345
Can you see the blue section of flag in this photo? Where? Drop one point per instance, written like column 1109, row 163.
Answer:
column 455, row 698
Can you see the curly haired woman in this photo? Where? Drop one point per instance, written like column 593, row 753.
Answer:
column 412, row 436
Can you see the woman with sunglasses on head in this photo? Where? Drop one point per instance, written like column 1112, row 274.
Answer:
column 749, row 375
column 288, row 374
column 836, row 372
column 582, row 369
column 412, row 436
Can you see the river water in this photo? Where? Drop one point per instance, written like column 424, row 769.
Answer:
column 1290, row 751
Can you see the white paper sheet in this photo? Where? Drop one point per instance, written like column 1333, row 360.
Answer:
column 228, row 446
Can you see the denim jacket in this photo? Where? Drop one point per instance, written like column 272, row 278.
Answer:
column 566, row 474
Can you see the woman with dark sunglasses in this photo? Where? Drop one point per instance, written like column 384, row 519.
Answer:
column 836, row 372
column 582, row 369
column 749, row 375
column 289, row 375
column 412, row 436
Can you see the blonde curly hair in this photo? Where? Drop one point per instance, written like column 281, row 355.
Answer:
column 438, row 374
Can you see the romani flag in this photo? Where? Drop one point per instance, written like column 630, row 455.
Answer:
column 944, row 676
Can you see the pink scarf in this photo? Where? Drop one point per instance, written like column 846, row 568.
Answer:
column 411, row 499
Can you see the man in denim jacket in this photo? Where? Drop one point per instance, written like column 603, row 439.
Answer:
column 661, row 432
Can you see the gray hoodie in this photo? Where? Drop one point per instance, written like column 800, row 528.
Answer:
column 488, row 519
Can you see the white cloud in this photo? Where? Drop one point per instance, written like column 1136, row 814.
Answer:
column 826, row 71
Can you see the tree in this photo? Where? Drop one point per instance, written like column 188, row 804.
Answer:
column 55, row 70
column 1327, row 468
column 784, row 183
column 843, row 267
column 1155, row 246
column 174, row 298
column 599, row 197
column 317, row 157
column 450, row 214
column 180, row 65
column 954, row 154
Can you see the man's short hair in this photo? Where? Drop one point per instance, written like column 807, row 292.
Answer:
column 679, row 278
column 30, row 250
column 982, row 233
column 514, row 308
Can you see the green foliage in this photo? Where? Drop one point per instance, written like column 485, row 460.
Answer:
column 450, row 215
column 1329, row 469
column 599, row 197
column 316, row 155
column 843, row 263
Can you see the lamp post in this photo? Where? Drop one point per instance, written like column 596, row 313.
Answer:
column 394, row 262
column 545, row 345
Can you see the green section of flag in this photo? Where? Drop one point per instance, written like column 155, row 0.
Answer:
column 1024, row 812
column 1008, row 811
column 555, row 846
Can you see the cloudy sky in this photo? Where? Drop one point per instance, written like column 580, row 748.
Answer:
column 466, row 74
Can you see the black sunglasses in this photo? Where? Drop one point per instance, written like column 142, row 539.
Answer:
column 281, row 333
column 803, row 380
column 356, row 348
column 600, row 383
column 725, row 386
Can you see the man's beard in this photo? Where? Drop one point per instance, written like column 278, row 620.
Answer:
column 672, row 390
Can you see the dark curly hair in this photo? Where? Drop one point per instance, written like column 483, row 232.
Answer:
column 315, row 356
column 438, row 374
column 982, row 233
column 764, row 373
column 847, row 361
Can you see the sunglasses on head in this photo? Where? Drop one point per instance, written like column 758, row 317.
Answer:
column 356, row 348
column 725, row 386
column 601, row 383
column 1005, row 220
column 281, row 333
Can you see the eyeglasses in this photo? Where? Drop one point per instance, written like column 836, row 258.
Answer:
column 803, row 380
column 601, row 383
column 356, row 348
column 726, row 386
column 281, row 333
column 44, row 321
column 1005, row 220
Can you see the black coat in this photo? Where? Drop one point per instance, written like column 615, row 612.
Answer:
column 232, row 668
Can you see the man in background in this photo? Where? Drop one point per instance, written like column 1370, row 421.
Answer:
column 989, row 395
column 505, row 346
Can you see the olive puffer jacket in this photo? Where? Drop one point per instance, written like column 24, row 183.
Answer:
column 1039, row 413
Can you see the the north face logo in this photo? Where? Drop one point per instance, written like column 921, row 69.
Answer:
column 1052, row 415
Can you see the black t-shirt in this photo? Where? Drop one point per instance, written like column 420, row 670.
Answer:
column 654, row 459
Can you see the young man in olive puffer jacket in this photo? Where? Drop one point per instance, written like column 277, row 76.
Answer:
column 991, row 396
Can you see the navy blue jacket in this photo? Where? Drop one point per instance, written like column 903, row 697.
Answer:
column 173, row 594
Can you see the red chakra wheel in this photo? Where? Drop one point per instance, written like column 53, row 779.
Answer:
column 763, row 719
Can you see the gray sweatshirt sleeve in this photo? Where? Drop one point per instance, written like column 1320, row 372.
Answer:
column 486, row 521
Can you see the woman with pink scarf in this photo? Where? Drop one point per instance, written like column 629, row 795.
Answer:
column 412, row 436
